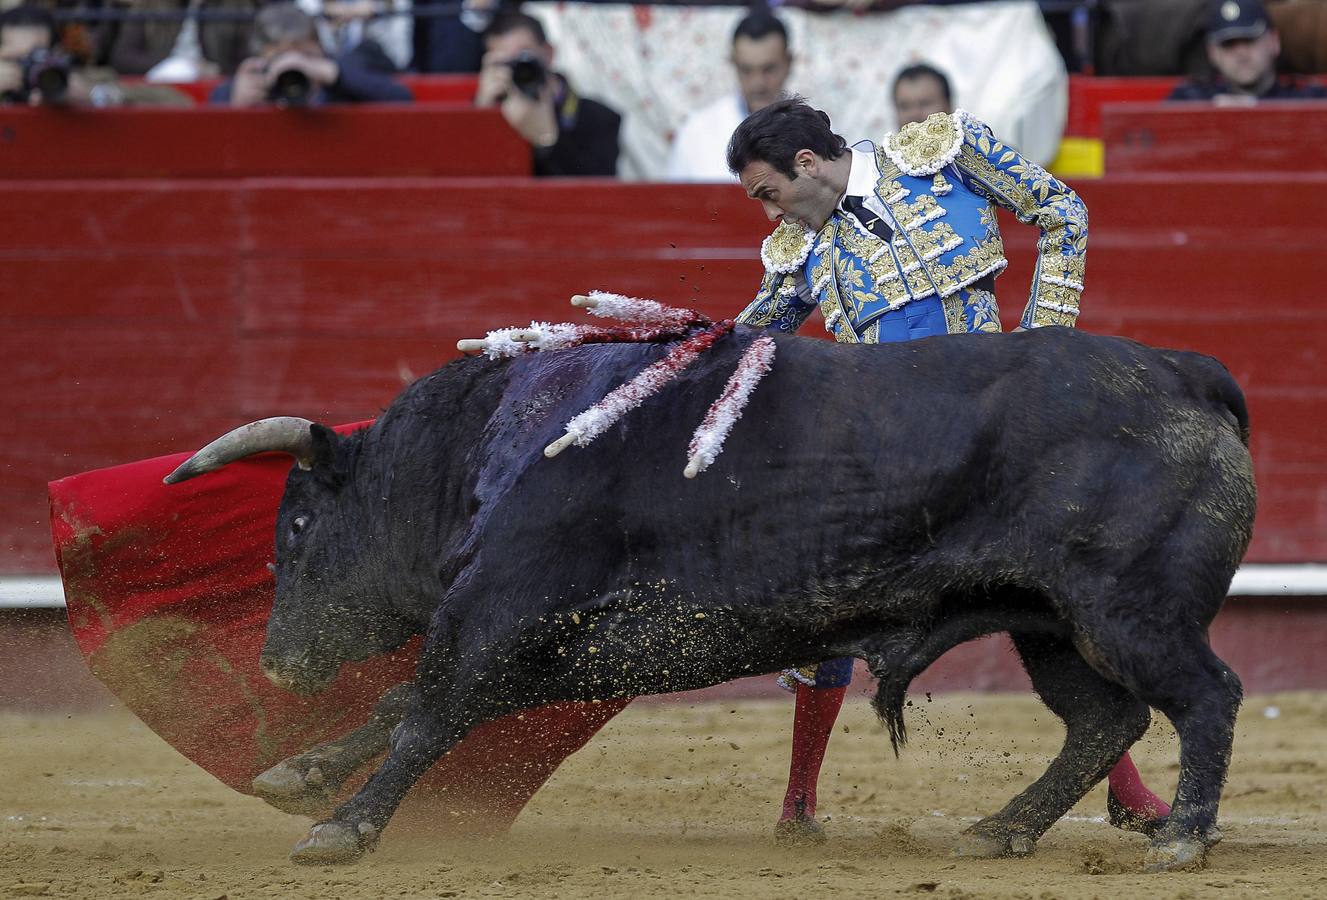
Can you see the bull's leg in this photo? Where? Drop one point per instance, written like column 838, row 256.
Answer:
column 1101, row 720
column 305, row 784
column 420, row 741
column 1190, row 685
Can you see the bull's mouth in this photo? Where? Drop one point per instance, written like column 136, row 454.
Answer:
column 299, row 675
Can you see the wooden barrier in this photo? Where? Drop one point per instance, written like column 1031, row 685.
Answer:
column 1089, row 95
column 424, row 88
column 396, row 140
column 139, row 318
column 1178, row 139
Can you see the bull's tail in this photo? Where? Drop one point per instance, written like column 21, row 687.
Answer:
column 897, row 673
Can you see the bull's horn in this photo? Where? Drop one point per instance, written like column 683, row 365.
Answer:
column 280, row 434
column 584, row 302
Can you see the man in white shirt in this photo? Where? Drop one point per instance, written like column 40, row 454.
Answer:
column 761, row 58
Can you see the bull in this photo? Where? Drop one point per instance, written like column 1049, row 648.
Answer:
column 1087, row 494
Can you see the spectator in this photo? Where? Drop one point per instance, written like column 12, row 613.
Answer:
column 1243, row 48
column 761, row 57
column 289, row 67
column 135, row 47
column 570, row 134
column 920, row 90
column 454, row 43
column 345, row 24
column 34, row 70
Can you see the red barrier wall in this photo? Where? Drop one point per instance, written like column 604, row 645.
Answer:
column 424, row 88
column 1177, row 139
column 139, row 318
column 398, row 140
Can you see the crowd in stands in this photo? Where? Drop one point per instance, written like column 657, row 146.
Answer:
column 311, row 52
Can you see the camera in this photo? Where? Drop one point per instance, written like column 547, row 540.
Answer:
column 46, row 71
column 291, row 88
column 528, row 74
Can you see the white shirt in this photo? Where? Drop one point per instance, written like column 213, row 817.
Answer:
column 863, row 176
column 700, row 149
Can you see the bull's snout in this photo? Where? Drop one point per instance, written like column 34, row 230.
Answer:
column 298, row 675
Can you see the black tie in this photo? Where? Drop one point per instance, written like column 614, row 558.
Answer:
column 873, row 223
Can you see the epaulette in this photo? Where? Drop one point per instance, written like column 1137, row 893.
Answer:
column 924, row 148
column 786, row 249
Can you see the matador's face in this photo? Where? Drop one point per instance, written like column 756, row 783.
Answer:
column 807, row 200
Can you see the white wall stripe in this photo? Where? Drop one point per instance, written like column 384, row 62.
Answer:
column 1301, row 580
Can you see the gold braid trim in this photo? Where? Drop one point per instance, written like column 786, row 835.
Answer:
column 924, row 148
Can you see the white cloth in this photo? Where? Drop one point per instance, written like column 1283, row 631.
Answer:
column 655, row 64
column 700, row 149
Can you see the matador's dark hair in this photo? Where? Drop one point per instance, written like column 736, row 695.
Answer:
column 774, row 134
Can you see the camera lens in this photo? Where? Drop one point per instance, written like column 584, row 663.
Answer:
column 527, row 73
column 291, row 88
column 52, row 83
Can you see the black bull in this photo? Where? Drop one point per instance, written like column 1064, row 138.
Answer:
column 1090, row 495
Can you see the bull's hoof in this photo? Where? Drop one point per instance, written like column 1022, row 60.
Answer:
column 295, row 788
column 1127, row 820
column 799, row 831
column 1185, row 854
column 981, row 843
column 333, row 842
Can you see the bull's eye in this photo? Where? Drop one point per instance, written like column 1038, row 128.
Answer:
column 298, row 524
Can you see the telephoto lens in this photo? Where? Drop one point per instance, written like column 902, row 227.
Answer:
column 47, row 72
column 527, row 73
column 291, row 88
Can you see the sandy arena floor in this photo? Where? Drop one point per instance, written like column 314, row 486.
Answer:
column 669, row 799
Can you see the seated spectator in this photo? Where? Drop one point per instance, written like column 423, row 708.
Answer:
column 454, row 43
column 138, row 46
column 289, row 67
column 1243, row 48
column 761, row 57
column 35, row 71
column 920, row 90
column 345, row 24
column 570, row 134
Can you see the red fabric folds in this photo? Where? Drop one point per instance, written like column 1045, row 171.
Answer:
column 168, row 595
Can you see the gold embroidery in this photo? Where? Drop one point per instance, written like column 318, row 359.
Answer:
column 1061, row 306
column 924, row 148
column 919, row 212
column 930, row 244
column 1067, row 267
column 786, row 248
column 955, row 323
column 983, row 259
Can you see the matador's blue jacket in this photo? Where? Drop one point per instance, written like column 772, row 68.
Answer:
column 939, row 182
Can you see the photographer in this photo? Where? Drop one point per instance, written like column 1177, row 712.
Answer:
column 570, row 134
column 290, row 68
column 34, row 71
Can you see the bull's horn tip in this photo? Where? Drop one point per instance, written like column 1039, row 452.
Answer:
column 584, row 302
column 693, row 467
column 467, row 345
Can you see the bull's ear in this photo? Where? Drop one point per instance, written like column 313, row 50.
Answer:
column 327, row 462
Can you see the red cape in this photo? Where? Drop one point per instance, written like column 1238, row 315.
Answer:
column 168, row 595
